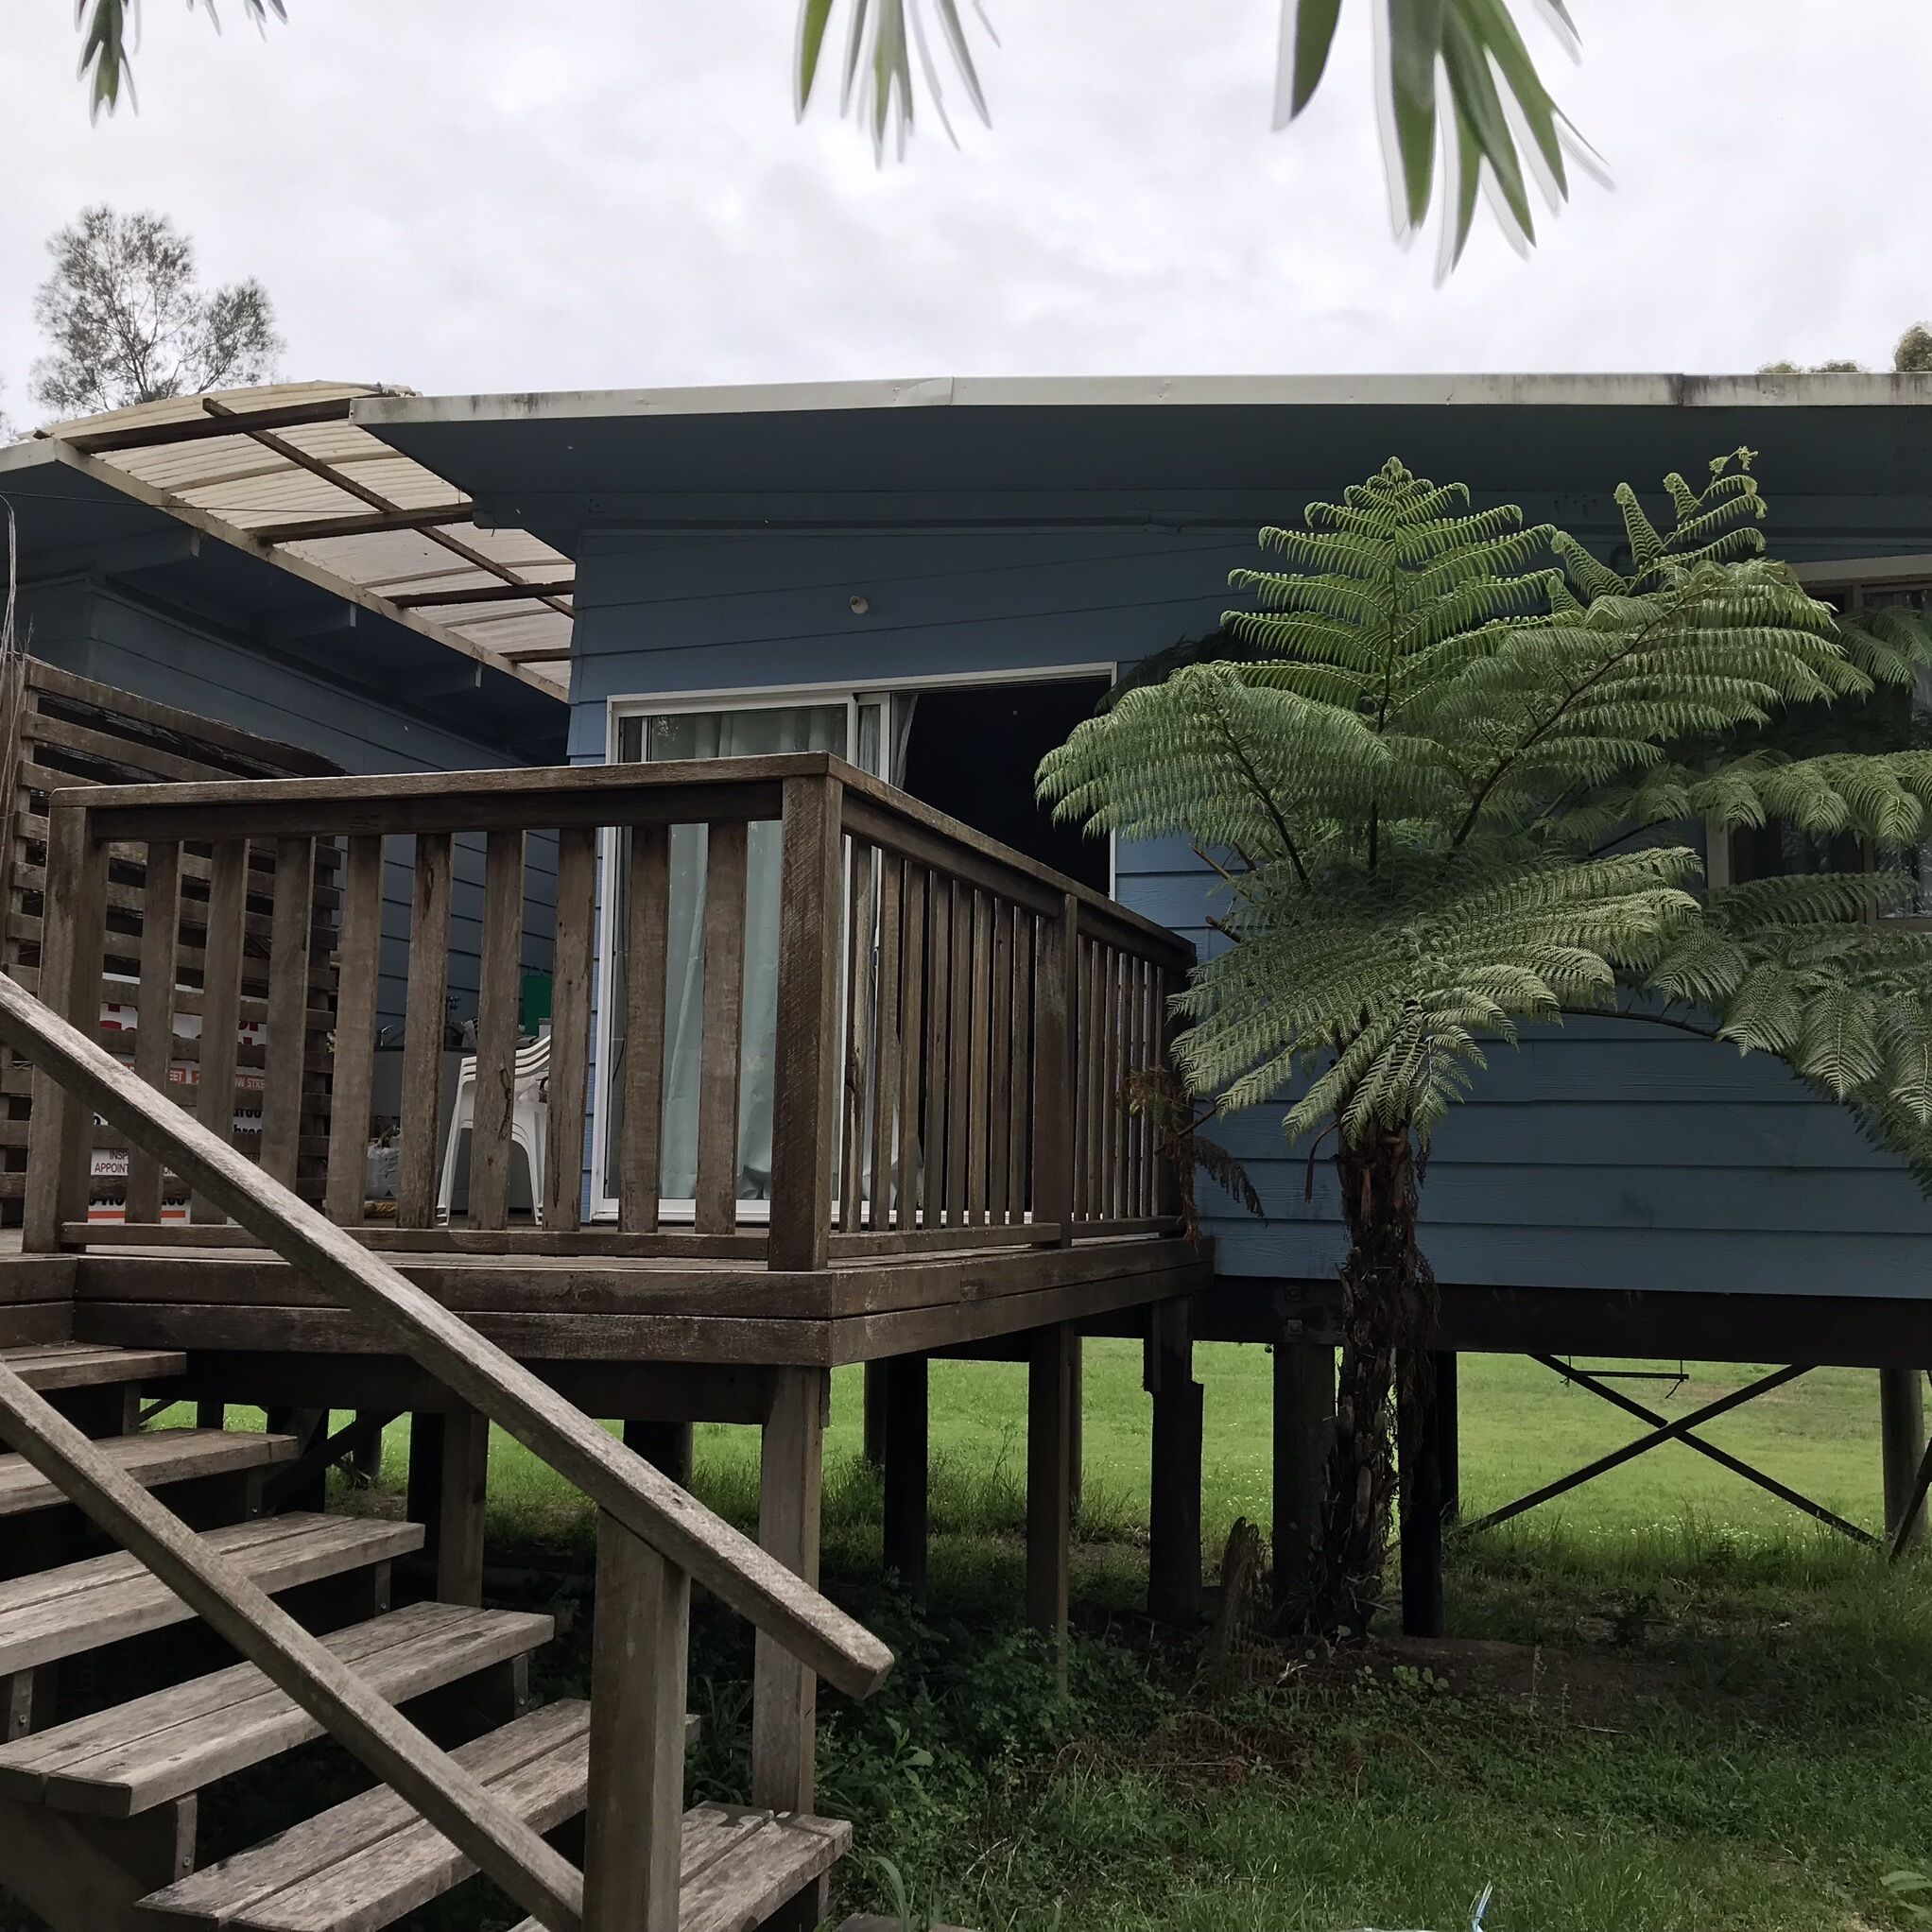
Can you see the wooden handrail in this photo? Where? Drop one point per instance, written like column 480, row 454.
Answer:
column 616, row 1480
column 222, row 1593
column 712, row 790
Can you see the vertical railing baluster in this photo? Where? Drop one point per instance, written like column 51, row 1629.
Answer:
column 499, row 991
column 1056, row 986
column 1113, row 1114
column 1019, row 1152
column 425, row 1018
column 859, row 1057
column 805, row 1111
column 286, row 1058
column 570, row 1025
column 939, row 955
column 886, row 1073
column 222, row 985
column 1166, row 1190
column 634, row 1815
column 979, row 1066
column 351, row 1071
column 720, row 1051
column 60, row 1156
column 999, row 1103
column 912, row 966
column 960, row 1058
column 155, row 1010
column 640, row 1160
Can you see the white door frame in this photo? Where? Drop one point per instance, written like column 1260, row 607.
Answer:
column 625, row 705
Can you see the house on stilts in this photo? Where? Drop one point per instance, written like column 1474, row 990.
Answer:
column 653, row 867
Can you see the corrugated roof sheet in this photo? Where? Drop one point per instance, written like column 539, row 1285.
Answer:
column 293, row 464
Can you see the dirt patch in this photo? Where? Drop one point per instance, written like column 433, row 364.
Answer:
column 1595, row 1688
column 1197, row 1749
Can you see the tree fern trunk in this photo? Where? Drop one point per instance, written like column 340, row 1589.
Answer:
column 1388, row 1318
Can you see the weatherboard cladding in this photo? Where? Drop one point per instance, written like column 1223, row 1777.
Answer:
column 120, row 641
column 1596, row 1156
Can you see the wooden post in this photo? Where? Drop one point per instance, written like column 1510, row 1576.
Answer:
column 804, row 1103
column 1174, row 1518
column 784, row 1691
column 633, row 1822
column 310, row 1428
column 1049, row 1482
column 664, row 1446
column 61, row 1137
column 1901, row 1438
column 1054, row 1004
column 1303, row 1437
column 1420, row 1470
column 1077, row 1425
column 874, row 1449
column 465, row 1496
column 906, row 1380
column 1449, row 1433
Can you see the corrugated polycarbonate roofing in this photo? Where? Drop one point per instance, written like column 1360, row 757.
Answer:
column 283, row 466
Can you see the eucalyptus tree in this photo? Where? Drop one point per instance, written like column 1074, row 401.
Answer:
column 1449, row 785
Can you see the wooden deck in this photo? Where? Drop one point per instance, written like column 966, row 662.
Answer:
column 959, row 1163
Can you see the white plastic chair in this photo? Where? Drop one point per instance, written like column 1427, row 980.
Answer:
column 530, row 1121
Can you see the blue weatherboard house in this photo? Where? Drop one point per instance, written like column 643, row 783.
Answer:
column 938, row 578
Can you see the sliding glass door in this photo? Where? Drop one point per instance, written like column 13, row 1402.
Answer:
column 851, row 728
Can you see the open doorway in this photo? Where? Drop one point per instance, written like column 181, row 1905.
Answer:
column 972, row 751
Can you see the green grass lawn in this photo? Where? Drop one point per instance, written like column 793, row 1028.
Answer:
column 1671, row 1706
column 1521, row 1427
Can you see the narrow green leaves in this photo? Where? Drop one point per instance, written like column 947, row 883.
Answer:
column 104, row 62
column 1308, row 35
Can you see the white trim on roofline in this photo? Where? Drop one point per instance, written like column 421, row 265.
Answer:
column 1860, row 391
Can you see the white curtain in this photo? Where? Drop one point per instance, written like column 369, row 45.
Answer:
column 715, row 735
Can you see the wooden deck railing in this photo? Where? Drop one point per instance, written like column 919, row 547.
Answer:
column 653, row 1539
column 952, row 1037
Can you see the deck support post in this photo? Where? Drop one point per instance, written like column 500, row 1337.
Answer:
column 1049, row 1482
column 449, row 1481
column 310, row 1428
column 1174, row 1507
column 1449, row 1432
column 1419, row 1472
column 906, row 1381
column 1901, row 1438
column 633, row 1822
column 874, row 1449
column 784, row 1691
column 465, row 1500
column 665, row 1446
column 1304, row 1438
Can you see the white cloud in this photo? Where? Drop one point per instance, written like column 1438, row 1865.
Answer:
column 488, row 194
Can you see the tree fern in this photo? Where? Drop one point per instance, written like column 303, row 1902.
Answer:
column 1454, row 769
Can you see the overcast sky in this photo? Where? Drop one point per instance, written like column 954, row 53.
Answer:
column 474, row 195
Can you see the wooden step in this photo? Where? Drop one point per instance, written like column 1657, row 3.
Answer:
column 364, row 1864
column 128, row 1759
column 738, row 1867
column 152, row 1458
column 50, row 1366
column 79, row 1607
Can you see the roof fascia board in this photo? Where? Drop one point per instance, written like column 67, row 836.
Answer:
column 1653, row 391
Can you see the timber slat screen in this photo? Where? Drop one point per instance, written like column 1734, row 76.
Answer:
column 952, row 1039
column 59, row 731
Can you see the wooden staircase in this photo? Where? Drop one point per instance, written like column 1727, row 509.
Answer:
column 97, row 1814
